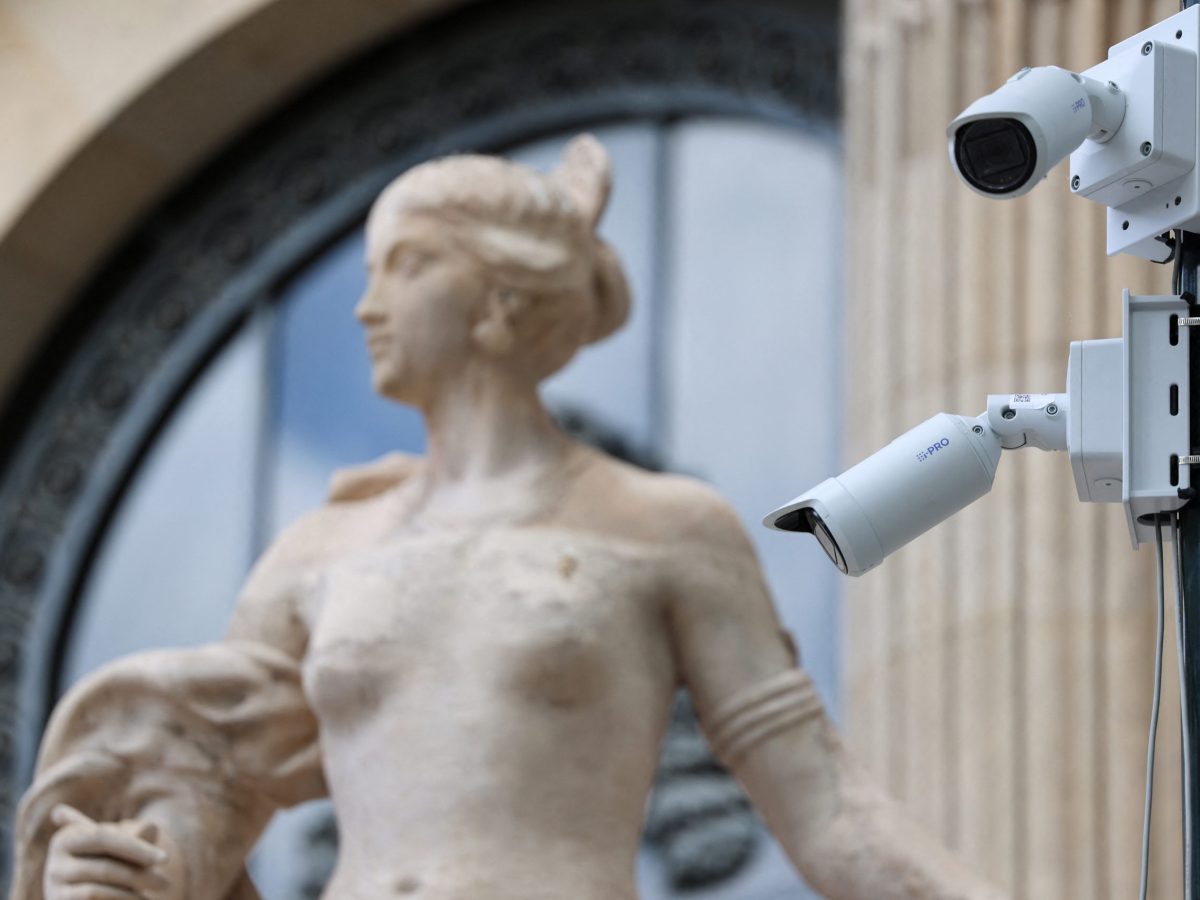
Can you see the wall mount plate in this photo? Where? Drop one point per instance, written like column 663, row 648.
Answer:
column 1146, row 174
column 1155, row 407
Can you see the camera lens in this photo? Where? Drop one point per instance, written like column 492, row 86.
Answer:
column 807, row 520
column 997, row 156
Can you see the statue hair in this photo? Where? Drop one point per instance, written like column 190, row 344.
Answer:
column 533, row 234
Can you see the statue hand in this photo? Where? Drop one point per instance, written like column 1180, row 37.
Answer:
column 90, row 860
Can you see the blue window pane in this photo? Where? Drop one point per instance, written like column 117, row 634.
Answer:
column 754, row 347
column 172, row 562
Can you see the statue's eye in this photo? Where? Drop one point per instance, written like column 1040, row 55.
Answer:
column 410, row 262
column 405, row 261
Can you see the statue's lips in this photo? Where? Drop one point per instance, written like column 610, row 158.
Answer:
column 378, row 343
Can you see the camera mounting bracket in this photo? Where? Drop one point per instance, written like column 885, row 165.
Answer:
column 1147, row 174
column 1128, row 437
column 1029, row 420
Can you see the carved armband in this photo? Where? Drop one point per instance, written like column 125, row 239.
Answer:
column 761, row 711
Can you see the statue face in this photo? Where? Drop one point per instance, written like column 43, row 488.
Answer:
column 421, row 303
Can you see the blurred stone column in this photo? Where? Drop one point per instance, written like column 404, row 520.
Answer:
column 998, row 670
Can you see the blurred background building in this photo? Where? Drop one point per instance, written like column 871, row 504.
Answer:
column 997, row 673
column 182, row 189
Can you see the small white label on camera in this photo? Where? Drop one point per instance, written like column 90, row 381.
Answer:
column 1029, row 401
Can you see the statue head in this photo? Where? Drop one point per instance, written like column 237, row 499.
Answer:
column 479, row 261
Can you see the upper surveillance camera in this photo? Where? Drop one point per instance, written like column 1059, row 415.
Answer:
column 1129, row 124
column 1005, row 143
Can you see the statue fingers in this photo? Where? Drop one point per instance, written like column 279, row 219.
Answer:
column 65, row 814
column 93, row 892
column 146, row 831
column 108, row 840
column 102, row 871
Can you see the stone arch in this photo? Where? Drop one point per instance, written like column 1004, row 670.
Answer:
column 111, row 159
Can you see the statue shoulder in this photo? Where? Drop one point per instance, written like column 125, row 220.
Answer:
column 364, row 481
column 286, row 578
column 696, row 513
column 678, row 509
column 343, row 522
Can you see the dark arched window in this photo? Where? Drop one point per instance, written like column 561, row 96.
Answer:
column 214, row 375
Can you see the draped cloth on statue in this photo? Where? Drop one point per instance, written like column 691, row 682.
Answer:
column 211, row 740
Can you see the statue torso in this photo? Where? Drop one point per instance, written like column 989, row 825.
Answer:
column 491, row 700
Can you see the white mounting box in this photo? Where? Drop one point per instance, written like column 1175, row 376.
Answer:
column 1155, row 411
column 1096, row 432
column 1146, row 174
column 1128, row 414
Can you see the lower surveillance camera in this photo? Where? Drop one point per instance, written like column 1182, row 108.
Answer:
column 1123, row 421
column 895, row 495
column 1005, row 143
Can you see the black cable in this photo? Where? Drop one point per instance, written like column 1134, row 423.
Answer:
column 1177, row 266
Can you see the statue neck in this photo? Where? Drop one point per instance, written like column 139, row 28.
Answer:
column 488, row 427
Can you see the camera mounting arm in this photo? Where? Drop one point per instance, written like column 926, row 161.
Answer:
column 1029, row 420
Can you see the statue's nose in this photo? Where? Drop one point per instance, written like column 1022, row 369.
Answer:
column 368, row 310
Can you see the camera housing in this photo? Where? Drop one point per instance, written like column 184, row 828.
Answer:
column 1006, row 142
column 922, row 477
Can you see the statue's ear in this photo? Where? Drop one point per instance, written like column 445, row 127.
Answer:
column 496, row 330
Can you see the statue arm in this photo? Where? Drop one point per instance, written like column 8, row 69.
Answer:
column 204, row 743
column 765, row 721
column 269, row 621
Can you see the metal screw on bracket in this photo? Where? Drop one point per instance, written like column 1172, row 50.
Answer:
column 1146, row 148
column 978, row 429
column 1113, row 88
column 1052, row 409
column 1075, row 182
column 1147, row 48
column 1009, row 414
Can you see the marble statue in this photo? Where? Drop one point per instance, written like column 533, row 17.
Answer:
column 473, row 653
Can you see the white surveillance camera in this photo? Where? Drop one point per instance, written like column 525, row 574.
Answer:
column 1123, row 421
column 922, row 477
column 1129, row 124
column 1005, row 143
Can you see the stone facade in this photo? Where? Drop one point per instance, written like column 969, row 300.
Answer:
column 109, row 107
column 998, row 671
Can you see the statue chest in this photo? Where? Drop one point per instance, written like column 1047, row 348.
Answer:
column 535, row 616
